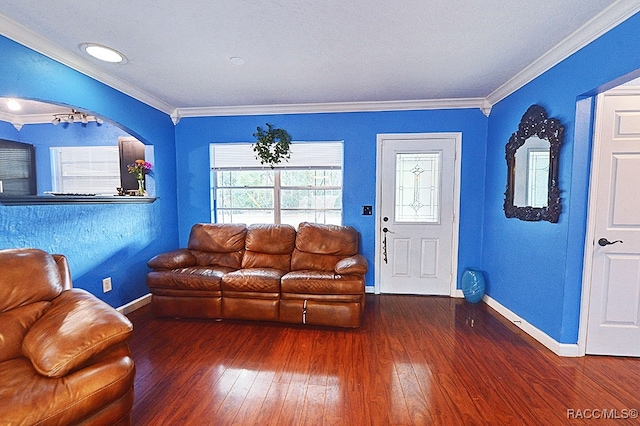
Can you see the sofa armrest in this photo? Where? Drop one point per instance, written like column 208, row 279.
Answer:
column 181, row 258
column 76, row 327
column 353, row 265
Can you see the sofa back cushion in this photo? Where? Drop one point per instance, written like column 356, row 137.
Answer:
column 14, row 325
column 217, row 244
column 320, row 247
column 269, row 246
column 27, row 276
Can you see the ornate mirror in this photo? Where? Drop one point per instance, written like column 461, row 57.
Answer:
column 532, row 168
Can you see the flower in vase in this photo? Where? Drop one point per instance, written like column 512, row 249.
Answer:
column 139, row 168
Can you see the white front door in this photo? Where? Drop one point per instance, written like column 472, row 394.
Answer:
column 613, row 325
column 418, row 194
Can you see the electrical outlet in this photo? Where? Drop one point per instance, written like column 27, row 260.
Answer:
column 106, row 285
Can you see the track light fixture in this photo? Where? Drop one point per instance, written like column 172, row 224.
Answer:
column 75, row 116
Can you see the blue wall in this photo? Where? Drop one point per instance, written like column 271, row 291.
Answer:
column 535, row 268
column 358, row 131
column 102, row 240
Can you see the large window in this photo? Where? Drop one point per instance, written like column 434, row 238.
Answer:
column 306, row 188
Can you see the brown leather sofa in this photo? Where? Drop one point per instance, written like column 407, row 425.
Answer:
column 263, row 272
column 64, row 359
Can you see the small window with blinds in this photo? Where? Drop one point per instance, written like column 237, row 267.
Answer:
column 307, row 188
column 17, row 168
column 93, row 170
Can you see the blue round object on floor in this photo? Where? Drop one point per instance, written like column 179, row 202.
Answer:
column 473, row 285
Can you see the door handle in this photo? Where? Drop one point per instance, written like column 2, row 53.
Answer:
column 604, row 242
column 385, row 230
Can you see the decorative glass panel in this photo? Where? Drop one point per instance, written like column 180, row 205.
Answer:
column 418, row 187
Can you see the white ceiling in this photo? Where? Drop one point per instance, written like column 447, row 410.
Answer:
column 313, row 54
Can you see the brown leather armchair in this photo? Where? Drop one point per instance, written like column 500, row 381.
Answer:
column 63, row 352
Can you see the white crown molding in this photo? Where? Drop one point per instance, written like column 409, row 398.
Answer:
column 609, row 18
column 40, row 44
column 332, row 107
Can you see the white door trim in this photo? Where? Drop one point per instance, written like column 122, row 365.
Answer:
column 589, row 243
column 457, row 137
column 591, row 226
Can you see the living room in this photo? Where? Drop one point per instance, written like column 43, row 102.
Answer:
column 534, row 269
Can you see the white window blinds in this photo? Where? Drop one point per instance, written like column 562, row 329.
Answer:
column 90, row 169
column 304, row 155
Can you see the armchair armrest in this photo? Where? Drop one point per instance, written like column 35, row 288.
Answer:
column 76, row 327
column 181, row 258
column 353, row 265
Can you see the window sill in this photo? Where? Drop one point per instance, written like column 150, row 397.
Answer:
column 31, row 200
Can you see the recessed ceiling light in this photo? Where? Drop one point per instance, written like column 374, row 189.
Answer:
column 13, row 105
column 236, row 60
column 103, row 53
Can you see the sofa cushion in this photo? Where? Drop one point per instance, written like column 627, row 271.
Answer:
column 270, row 238
column 327, row 239
column 253, row 280
column 193, row 278
column 32, row 266
column 319, row 282
column 27, row 397
column 76, row 327
column 231, row 260
column 14, row 325
column 320, row 247
column 316, row 262
column 269, row 246
column 217, row 237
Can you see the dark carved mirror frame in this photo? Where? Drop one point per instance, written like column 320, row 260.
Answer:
column 535, row 123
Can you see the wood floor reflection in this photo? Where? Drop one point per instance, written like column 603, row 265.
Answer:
column 414, row 361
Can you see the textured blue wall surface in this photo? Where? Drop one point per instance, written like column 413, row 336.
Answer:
column 535, row 268
column 102, row 240
column 358, row 131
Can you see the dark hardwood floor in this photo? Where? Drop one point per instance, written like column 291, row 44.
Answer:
column 414, row 361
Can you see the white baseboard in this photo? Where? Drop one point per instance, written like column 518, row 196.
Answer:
column 369, row 289
column 561, row 349
column 135, row 304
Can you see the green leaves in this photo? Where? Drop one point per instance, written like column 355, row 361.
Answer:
column 272, row 146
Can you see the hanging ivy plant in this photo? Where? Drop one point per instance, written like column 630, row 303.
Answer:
column 272, row 146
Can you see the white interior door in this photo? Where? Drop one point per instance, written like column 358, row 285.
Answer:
column 613, row 325
column 417, row 224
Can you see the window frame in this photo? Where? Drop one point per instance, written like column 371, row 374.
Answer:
column 245, row 164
